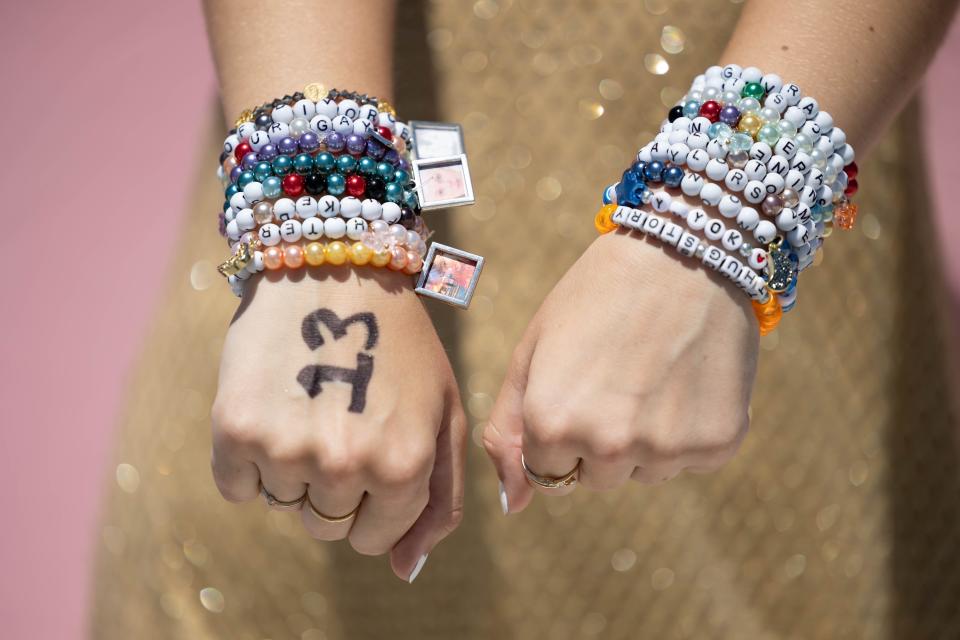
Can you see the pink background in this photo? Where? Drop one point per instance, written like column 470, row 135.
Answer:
column 75, row 312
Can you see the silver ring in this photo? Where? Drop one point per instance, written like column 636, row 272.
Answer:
column 282, row 505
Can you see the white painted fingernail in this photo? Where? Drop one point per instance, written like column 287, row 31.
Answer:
column 416, row 570
column 504, row 503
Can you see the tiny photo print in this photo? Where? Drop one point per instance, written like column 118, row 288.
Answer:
column 436, row 139
column 450, row 275
column 443, row 182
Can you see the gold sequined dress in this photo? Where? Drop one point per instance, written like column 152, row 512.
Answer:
column 838, row 519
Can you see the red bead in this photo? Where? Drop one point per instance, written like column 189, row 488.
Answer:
column 710, row 110
column 851, row 170
column 385, row 132
column 242, row 149
column 356, row 185
column 852, row 187
column 292, row 185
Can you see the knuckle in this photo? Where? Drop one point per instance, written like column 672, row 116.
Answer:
column 233, row 431
column 546, row 425
column 610, row 444
column 663, row 446
column 339, row 462
column 403, row 466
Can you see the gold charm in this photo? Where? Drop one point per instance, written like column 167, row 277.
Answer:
column 314, row 91
column 240, row 259
column 386, row 107
column 245, row 116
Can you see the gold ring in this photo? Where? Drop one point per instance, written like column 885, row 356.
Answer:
column 282, row 505
column 332, row 519
column 566, row 480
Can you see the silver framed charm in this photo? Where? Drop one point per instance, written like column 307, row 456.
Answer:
column 450, row 275
column 436, row 139
column 443, row 182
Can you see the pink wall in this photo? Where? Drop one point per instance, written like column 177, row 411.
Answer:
column 97, row 84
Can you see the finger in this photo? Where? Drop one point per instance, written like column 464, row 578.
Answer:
column 237, row 479
column 654, row 475
column 503, row 434
column 331, row 508
column 444, row 510
column 604, row 474
column 282, row 483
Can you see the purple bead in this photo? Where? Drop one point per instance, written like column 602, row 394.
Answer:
column 222, row 224
column 730, row 115
column 391, row 156
column 267, row 152
column 235, row 174
column 309, row 142
column 375, row 150
column 356, row 144
column 287, row 146
column 250, row 160
column 403, row 164
column 335, row 141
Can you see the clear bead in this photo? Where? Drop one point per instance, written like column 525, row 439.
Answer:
column 819, row 160
column 769, row 133
column 298, row 127
column 787, row 128
column 804, row 142
column 741, row 141
column 738, row 158
column 769, row 114
column 730, row 97
column 719, row 130
column 749, row 105
column 711, row 93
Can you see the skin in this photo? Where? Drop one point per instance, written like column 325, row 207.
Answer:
column 666, row 355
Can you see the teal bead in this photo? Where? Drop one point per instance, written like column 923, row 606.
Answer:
column 400, row 176
column 325, row 161
column 230, row 191
column 303, row 164
column 262, row 171
column 336, row 184
column 346, row 163
column 410, row 199
column 272, row 187
column 246, row 178
column 367, row 165
column 394, row 192
column 753, row 90
column 769, row 133
column 282, row 165
column 719, row 130
column 691, row 109
column 741, row 142
column 385, row 170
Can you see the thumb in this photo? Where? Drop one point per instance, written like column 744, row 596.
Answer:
column 503, row 435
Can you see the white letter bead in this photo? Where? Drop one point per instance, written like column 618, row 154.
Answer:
column 284, row 209
column 245, row 220
column 776, row 101
column 716, row 149
column 697, row 219
column 748, row 218
column 761, row 151
column 257, row 264
column 799, row 235
column 312, row 228
column 391, row 212
column 688, row 244
column 238, row 202
column 786, row 147
column 734, row 84
column 730, row 206
column 757, row 259
column 698, row 159
column 661, row 201
column 731, row 240
column 653, row 225
column 838, row 138
column 755, row 170
column 671, row 233
column 815, row 178
column 369, row 112
column 362, row 127
column 714, row 229
column 644, row 154
column 677, row 137
column 370, row 209
column 691, row 184
column 787, row 219
column 350, row 207
column 290, row 230
column 736, row 179
column 824, row 196
column 679, row 208
column 620, row 215
column 233, row 230
column 731, row 267
column 327, row 107
column 795, row 180
column 681, row 124
column 328, row 206
column 713, row 257
column 278, row 131
column 258, row 140
column 253, row 193
column 305, row 108
column 677, row 153
column 283, row 113
column 321, row 125
column 658, row 150
column 230, row 144
column 825, row 121
column 751, row 74
column 754, row 192
column 697, row 140
column 306, row 206
column 772, row 83
column 794, row 116
column 334, row 227
column 809, row 106
column 774, row 183
column 348, row 108
column 355, row 228
column 717, row 169
column 847, row 154
column 711, row 194
column 343, row 125
column 245, row 130
column 269, row 234
column 636, row 218
column 792, row 93
column 765, row 232
column 801, row 162
column 778, row 165
column 699, row 125
column 811, row 129
column 731, row 71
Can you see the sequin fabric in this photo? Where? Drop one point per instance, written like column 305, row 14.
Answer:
column 838, row 519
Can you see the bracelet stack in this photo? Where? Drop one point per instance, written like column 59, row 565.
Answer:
column 321, row 177
column 772, row 172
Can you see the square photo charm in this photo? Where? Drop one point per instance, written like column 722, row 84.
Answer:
column 436, row 139
column 450, row 275
column 443, row 182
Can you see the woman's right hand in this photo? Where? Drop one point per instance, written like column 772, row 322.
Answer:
column 338, row 387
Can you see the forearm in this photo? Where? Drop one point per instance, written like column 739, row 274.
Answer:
column 264, row 50
column 861, row 59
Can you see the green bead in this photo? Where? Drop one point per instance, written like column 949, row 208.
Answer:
column 769, row 133
column 336, row 184
column 394, row 192
column 325, row 161
column 346, row 163
column 303, row 164
column 262, row 170
column 282, row 165
column 245, row 178
column 367, row 165
column 753, row 90
column 401, row 176
column 385, row 170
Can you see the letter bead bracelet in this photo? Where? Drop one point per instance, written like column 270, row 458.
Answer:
column 333, row 178
column 772, row 172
